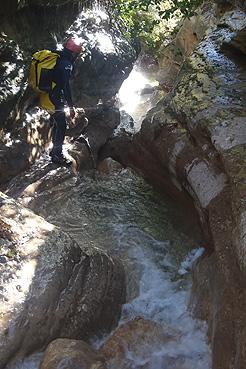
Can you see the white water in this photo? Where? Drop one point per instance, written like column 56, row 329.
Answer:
column 163, row 298
column 122, row 215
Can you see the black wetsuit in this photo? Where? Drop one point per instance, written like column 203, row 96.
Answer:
column 59, row 93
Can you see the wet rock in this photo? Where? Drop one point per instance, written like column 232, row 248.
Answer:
column 101, row 126
column 3, row 259
column 208, row 119
column 59, row 291
column 76, row 127
column 12, row 78
column 97, row 77
column 71, row 354
column 201, row 297
column 136, row 339
column 171, row 56
column 21, row 148
column 238, row 3
column 193, row 142
column 2, row 297
column 109, row 166
column 118, row 145
column 148, row 89
column 19, row 21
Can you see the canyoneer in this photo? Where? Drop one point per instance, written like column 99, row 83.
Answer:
column 59, row 96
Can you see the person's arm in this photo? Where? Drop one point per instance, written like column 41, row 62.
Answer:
column 67, row 90
column 68, row 97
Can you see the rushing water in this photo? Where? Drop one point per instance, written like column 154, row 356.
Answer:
column 156, row 240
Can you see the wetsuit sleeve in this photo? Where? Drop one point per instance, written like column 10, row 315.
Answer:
column 67, row 94
column 66, row 86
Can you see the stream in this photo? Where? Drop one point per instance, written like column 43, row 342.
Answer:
column 156, row 239
column 121, row 214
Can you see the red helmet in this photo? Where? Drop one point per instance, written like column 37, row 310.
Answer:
column 73, row 46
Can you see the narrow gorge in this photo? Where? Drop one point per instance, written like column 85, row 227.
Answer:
column 76, row 244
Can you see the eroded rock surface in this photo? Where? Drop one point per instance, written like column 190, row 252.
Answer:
column 71, row 354
column 193, row 142
column 97, row 76
column 53, row 289
column 172, row 55
column 136, row 341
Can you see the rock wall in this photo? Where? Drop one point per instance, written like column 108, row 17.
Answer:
column 193, row 142
column 20, row 38
column 60, row 296
column 238, row 3
column 18, row 19
column 50, row 287
column 96, row 78
column 172, row 55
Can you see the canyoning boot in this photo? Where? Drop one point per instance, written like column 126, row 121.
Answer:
column 61, row 160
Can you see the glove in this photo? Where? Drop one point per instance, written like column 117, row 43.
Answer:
column 71, row 112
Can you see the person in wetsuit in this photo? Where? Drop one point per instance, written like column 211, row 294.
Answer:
column 61, row 91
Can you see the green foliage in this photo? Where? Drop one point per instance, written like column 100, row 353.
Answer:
column 11, row 252
column 152, row 20
column 165, row 9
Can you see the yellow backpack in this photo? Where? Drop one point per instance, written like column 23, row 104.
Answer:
column 41, row 70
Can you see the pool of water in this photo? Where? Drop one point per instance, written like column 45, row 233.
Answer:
column 156, row 240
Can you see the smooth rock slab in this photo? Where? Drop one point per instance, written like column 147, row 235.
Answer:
column 135, row 341
column 57, row 291
column 71, row 354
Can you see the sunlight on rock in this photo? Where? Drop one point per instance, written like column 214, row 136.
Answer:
column 19, row 286
column 35, row 116
column 9, row 140
column 34, row 151
column 9, row 67
column 105, row 43
column 27, row 235
column 129, row 92
column 99, row 39
column 132, row 99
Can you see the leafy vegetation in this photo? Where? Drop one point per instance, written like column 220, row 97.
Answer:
column 5, row 231
column 7, row 239
column 152, row 20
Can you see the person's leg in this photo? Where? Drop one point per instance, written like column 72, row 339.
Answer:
column 59, row 129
